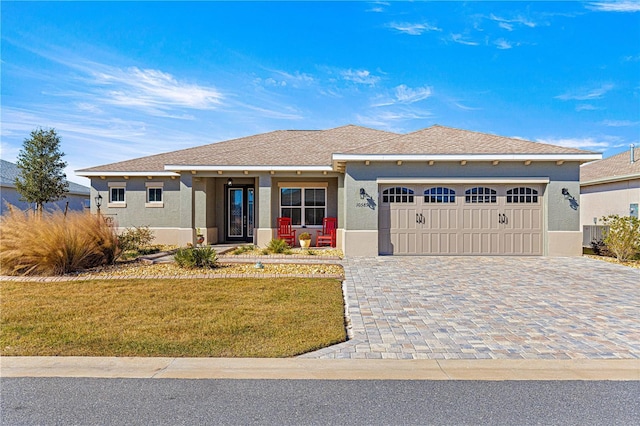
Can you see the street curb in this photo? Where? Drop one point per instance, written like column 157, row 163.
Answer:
column 319, row 369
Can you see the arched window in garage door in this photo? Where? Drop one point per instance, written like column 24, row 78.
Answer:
column 397, row 194
column 522, row 195
column 480, row 194
column 439, row 195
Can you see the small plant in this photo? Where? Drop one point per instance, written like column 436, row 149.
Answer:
column 196, row 257
column 278, row 246
column 243, row 249
column 623, row 236
column 600, row 248
column 135, row 238
column 305, row 236
column 310, row 252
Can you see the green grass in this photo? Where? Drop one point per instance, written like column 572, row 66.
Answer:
column 174, row 318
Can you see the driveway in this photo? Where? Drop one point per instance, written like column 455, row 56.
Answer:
column 489, row 308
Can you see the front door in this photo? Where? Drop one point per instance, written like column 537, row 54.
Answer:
column 240, row 213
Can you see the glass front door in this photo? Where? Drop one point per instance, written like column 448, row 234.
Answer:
column 240, row 213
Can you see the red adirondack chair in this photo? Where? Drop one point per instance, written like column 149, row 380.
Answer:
column 328, row 233
column 286, row 232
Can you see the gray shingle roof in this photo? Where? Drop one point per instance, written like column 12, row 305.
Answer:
column 9, row 172
column 278, row 148
column 441, row 140
column 616, row 167
column 316, row 147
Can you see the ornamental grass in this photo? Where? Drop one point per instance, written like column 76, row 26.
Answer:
column 54, row 243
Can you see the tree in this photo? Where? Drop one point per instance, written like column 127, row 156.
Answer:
column 41, row 178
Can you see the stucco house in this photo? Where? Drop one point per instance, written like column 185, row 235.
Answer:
column 609, row 186
column 440, row 191
column 77, row 197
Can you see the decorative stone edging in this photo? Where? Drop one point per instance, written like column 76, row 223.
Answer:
column 153, row 277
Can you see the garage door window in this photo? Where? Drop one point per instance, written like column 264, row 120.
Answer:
column 522, row 195
column 480, row 194
column 439, row 195
column 397, row 195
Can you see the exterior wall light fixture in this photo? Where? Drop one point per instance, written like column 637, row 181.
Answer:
column 230, row 182
column 98, row 200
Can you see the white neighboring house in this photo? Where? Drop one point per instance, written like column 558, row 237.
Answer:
column 608, row 186
column 77, row 197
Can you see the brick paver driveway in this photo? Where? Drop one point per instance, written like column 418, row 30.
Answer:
column 489, row 307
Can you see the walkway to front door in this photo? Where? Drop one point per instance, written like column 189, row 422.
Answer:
column 490, row 308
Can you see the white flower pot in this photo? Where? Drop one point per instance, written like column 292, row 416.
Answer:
column 305, row 243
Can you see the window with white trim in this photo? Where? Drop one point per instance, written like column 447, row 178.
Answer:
column 481, row 194
column 397, row 194
column 305, row 206
column 439, row 195
column 522, row 194
column 117, row 194
column 154, row 194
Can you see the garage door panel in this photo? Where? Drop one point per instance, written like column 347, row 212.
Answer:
column 490, row 220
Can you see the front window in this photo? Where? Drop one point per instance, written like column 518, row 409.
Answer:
column 154, row 195
column 305, row 206
column 116, row 195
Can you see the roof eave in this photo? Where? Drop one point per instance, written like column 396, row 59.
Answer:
column 467, row 157
column 610, row 179
column 116, row 173
column 193, row 168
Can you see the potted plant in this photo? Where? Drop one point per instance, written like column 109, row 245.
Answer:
column 305, row 240
column 199, row 236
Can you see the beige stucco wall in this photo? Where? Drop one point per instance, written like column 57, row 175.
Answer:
column 606, row 199
column 564, row 243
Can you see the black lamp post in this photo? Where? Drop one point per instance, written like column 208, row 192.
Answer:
column 98, row 200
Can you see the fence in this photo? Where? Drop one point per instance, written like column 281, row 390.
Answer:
column 592, row 233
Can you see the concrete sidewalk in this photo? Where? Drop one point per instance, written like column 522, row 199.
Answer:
column 320, row 369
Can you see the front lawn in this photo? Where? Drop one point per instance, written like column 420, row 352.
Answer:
column 278, row 317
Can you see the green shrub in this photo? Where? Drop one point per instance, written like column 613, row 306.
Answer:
column 196, row 257
column 278, row 246
column 600, row 248
column 54, row 244
column 135, row 238
column 623, row 237
column 243, row 249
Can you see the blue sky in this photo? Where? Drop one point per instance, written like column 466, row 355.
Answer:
column 119, row 80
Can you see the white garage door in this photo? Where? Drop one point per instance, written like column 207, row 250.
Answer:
column 461, row 219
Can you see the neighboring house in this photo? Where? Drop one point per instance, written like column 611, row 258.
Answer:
column 436, row 191
column 77, row 197
column 609, row 186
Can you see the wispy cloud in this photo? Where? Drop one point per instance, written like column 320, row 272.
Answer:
column 508, row 24
column 404, row 94
column 619, row 123
column 408, row 95
column 615, row 6
column 503, row 44
column 586, row 94
column 413, row 28
column 459, row 38
column 360, row 77
column 134, row 87
column 580, row 143
column 388, row 119
column 586, row 107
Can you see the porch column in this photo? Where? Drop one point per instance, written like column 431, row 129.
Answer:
column 186, row 225
column 200, row 205
column 264, row 231
column 342, row 213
